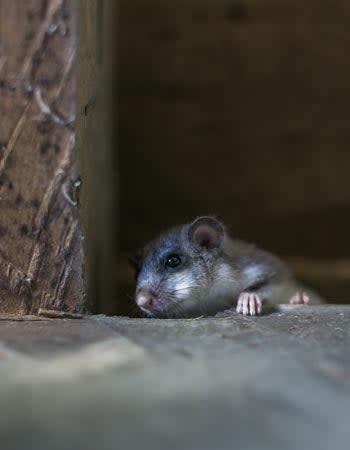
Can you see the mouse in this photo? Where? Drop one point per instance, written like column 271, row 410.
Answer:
column 197, row 269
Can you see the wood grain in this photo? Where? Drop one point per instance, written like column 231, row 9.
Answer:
column 98, row 156
column 40, row 238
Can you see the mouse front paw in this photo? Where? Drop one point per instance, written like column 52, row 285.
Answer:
column 300, row 298
column 249, row 304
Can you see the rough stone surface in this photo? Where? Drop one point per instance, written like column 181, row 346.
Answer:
column 271, row 382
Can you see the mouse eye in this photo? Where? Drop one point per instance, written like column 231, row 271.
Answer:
column 173, row 261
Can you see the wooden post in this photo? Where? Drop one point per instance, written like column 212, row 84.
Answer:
column 96, row 137
column 40, row 239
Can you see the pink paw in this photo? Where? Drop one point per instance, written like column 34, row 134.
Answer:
column 249, row 304
column 300, row 298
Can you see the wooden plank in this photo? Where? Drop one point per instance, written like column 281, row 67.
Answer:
column 96, row 137
column 263, row 383
column 40, row 238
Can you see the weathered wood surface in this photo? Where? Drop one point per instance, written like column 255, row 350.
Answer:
column 97, row 22
column 40, row 239
column 238, row 108
column 265, row 383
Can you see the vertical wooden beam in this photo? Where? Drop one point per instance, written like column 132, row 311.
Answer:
column 97, row 80
column 40, row 238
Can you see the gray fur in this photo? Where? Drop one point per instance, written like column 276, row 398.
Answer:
column 210, row 280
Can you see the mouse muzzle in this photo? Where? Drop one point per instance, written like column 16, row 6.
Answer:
column 146, row 300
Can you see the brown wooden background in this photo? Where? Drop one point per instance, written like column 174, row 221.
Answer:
column 241, row 109
column 236, row 108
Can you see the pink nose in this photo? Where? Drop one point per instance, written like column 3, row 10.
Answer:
column 144, row 299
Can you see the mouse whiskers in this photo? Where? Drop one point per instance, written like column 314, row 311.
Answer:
column 173, row 292
column 175, row 312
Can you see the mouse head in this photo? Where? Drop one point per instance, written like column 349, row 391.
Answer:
column 175, row 271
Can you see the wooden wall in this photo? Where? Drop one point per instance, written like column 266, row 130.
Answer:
column 238, row 108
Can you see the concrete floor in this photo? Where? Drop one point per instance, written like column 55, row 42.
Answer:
column 280, row 381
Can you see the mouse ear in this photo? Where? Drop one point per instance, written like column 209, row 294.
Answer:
column 206, row 232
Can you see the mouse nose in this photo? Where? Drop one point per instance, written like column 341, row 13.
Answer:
column 144, row 299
